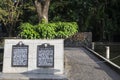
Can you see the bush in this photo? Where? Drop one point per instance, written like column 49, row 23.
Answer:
column 48, row 31
column 27, row 31
column 66, row 29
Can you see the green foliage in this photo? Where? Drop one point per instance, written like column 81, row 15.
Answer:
column 9, row 15
column 66, row 29
column 48, row 31
column 28, row 32
column 43, row 21
column 102, row 17
column 29, row 12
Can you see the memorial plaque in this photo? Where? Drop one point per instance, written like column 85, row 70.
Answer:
column 19, row 55
column 45, row 55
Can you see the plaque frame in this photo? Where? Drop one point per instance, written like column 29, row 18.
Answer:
column 45, row 45
column 20, row 44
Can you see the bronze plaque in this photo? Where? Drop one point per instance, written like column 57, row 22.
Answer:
column 45, row 55
column 20, row 55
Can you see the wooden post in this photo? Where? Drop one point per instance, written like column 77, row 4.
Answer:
column 108, row 52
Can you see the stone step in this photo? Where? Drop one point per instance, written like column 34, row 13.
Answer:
column 8, row 76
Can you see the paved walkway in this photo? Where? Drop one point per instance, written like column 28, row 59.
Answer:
column 83, row 65
column 79, row 65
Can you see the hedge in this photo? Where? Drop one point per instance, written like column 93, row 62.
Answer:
column 48, row 31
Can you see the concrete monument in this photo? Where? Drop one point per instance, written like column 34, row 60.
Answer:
column 33, row 56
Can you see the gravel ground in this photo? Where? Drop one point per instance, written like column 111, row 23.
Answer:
column 83, row 65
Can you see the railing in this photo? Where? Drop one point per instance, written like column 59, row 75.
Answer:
column 110, row 51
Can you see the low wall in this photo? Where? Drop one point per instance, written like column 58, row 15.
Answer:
column 79, row 39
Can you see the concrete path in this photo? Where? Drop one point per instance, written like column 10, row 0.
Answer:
column 79, row 65
column 83, row 65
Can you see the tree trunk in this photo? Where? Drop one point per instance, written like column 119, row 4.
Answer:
column 42, row 7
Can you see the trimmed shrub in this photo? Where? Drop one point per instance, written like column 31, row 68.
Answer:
column 27, row 31
column 66, row 29
column 48, row 31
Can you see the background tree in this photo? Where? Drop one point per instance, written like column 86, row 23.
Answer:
column 29, row 13
column 42, row 7
column 102, row 17
column 34, row 11
column 10, row 11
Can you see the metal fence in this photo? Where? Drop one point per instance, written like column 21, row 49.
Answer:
column 100, row 47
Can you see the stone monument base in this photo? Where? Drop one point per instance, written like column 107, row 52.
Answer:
column 14, row 76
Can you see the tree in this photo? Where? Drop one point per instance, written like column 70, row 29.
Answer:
column 42, row 7
column 10, row 11
column 102, row 17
